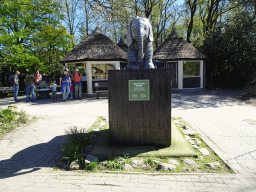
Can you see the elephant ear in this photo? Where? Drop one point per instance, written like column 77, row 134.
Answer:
column 150, row 32
column 129, row 34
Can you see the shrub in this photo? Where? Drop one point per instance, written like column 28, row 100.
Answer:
column 91, row 166
column 10, row 119
column 76, row 140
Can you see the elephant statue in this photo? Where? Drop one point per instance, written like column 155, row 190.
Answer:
column 140, row 44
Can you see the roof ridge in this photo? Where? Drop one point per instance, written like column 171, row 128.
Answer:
column 96, row 46
column 176, row 47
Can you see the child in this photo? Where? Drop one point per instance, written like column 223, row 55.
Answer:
column 71, row 89
column 54, row 90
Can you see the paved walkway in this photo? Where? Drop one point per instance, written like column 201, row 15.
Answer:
column 228, row 125
column 28, row 154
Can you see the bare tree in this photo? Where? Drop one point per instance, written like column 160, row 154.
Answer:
column 211, row 10
column 138, row 6
column 164, row 19
column 70, row 10
column 148, row 6
column 192, row 6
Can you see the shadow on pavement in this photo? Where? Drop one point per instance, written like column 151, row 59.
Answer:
column 33, row 158
column 180, row 99
column 47, row 155
column 206, row 98
column 85, row 97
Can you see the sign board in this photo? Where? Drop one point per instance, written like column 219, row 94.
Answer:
column 139, row 90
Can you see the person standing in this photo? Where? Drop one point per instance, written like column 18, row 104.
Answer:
column 30, row 86
column 71, row 88
column 77, row 84
column 45, row 78
column 54, row 90
column 16, row 86
column 65, row 81
column 38, row 78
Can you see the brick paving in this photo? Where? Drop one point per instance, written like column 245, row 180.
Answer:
column 28, row 154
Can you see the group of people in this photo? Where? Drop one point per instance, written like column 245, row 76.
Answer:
column 67, row 83
column 67, row 86
column 32, row 81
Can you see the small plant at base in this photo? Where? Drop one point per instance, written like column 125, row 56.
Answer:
column 126, row 156
column 151, row 163
column 76, row 140
column 127, row 159
column 91, row 166
column 102, row 118
column 70, row 152
column 116, row 164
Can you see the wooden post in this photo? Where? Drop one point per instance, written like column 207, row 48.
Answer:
column 139, row 114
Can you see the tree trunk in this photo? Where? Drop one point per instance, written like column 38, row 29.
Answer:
column 192, row 7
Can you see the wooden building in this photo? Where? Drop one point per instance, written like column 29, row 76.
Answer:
column 94, row 56
column 186, row 62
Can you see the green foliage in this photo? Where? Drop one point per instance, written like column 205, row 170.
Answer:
column 28, row 30
column 73, row 150
column 76, row 141
column 231, row 52
column 51, row 45
column 126, row 156
column 212, row 157
column 92, row 166
column 10, row 119
column 150, row 162
column 116, row 163
column 96, row 124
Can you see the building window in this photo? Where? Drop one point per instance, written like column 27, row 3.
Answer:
column 79, row 66
column 191, row 69
column 100, row 71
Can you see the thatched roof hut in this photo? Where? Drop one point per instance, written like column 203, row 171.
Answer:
column 96, row 47
column 186, row 62
column 122, row 45
column 176, row 48
column 95, row 52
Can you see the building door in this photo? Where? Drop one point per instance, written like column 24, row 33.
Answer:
column 174, row 71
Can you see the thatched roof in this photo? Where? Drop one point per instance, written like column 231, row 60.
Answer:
column 175, row 48
column 122, row 45
column 96, row 47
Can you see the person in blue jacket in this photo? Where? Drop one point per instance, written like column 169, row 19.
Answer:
column 64, row 82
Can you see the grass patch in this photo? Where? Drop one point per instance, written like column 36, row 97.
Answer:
column 212, row 157
column 114, row 157
column 10, row 118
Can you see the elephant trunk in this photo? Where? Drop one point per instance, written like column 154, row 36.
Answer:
column 140, row 44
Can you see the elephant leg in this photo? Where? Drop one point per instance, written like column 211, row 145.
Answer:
column 132, row 64
column 148, row 63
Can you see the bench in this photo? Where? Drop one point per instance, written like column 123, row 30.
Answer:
column 42, row 90
column 98, row 85
column 43, row 93
column 5, row 90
